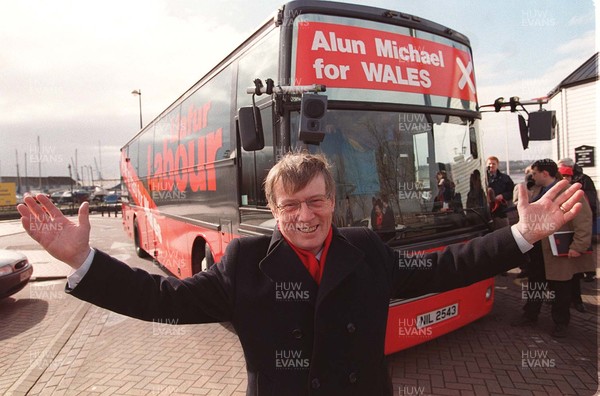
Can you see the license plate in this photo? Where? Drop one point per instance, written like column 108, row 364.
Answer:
column 439, row 315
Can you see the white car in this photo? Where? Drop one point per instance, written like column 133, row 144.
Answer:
column 15, row 271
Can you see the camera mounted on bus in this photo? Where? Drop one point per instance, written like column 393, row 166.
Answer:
column 313, row 108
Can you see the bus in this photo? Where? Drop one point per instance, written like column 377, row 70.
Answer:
column 389, row 98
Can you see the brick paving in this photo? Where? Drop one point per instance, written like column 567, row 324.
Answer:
column 35, row 327
column 107, row 353
column 46, row 267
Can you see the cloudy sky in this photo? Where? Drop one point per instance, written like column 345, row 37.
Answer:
column 67, row 67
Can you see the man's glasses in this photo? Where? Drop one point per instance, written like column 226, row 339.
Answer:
column 316, row 203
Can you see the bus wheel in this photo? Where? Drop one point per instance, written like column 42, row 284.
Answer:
column 202, row 258
column 209, row 260
column 197, row 255
column 136, row 240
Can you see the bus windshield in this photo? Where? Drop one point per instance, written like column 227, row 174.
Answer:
column 407, row 176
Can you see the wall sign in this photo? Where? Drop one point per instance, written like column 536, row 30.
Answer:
column 584, row 156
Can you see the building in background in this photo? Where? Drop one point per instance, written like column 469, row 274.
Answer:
column 575, row 101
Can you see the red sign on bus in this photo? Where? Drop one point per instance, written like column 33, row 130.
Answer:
column 341, row 56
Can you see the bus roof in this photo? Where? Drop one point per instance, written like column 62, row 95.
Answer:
column 291, row 10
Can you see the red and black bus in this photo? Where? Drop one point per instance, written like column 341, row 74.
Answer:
column 399, row 109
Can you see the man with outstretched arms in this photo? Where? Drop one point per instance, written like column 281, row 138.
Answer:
column 310, row 303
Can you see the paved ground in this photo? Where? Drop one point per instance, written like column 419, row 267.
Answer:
column 82, row 349
column 51, row 343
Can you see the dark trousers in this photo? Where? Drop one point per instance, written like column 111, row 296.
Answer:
column 576, row 289
column 537, row 287
column 563, row 294
column 560, row 293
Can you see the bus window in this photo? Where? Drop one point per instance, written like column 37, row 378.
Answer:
column 259, row 62
column 385, row 166
column 146, row 154
column 133, row 155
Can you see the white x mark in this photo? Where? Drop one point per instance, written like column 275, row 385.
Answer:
column 466, row 77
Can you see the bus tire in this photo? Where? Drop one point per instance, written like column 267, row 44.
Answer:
column 136, row 240
column 202, row 258
column 208, row 257
column 197, row 255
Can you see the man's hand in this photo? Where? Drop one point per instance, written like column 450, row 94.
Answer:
column 63, row 239
column 547, row 215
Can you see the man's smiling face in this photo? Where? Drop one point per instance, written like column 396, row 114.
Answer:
column 307, row 225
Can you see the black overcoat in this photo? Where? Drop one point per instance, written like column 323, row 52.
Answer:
column 299, row 338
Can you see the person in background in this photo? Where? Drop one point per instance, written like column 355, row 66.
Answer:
column 556, row 273
column 388, row 224
column 577, row 301
column 476, row 197
column 588, row 187
column 532, row 191
column 377, row 215
column 502, row 186
column 349, row 219
column 441, row 202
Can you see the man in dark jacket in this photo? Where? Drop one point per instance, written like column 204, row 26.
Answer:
column 502, row 186
column 309, row 304
column 552, row 275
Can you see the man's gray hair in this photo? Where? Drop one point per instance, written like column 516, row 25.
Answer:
column 566, row 162
column 294, row 171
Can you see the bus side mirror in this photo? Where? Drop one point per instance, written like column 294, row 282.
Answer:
column 524, row 132
column 250, row 127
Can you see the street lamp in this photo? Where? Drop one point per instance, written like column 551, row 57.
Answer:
column 71, row 182
column 138, row 92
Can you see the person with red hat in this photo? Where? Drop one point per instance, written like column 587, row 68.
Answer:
column 566, row 172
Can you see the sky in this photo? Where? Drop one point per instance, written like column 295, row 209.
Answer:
column 68, row 67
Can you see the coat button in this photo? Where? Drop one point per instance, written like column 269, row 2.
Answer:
column 353, row 377
column 351, row 328
column 297, row 333
column 315, row 383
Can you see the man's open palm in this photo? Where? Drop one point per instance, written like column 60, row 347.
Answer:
column 556, row 207
column 62, row 238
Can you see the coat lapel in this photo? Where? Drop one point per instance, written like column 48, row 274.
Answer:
column 342, row 260
column 283, row 266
